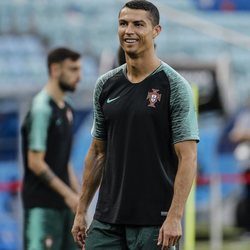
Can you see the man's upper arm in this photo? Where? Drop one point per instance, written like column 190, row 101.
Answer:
column 98, row 129
column 183, row 112
column 38, row 131
column 98, row 146
column 186, row 150
column 36, row 161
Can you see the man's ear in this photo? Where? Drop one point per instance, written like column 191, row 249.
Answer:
column 157, row 30
column 55, row 69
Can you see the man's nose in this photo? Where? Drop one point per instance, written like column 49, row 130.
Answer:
column 129, row 29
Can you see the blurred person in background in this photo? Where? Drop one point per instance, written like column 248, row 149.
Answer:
column 241, row 129
column 50, row 188
column 240, row 136
column 143, row 153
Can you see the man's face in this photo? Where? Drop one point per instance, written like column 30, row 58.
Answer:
column 136, row 31
column 70, row 75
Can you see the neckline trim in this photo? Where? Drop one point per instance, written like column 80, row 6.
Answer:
column 149, row 75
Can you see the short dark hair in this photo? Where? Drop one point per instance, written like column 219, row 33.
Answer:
column 144, row 5
column 58, row 55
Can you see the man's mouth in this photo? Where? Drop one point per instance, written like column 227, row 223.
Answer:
column 130, row 40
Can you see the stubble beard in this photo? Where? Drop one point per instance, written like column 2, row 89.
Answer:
column 65, row 87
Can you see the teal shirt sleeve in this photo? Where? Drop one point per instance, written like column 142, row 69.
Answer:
column 184, row 124
column 40, row 115
column 183, row 113
column 98, row 129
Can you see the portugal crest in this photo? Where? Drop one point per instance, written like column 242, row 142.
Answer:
column 69, row 115
column 153, row 97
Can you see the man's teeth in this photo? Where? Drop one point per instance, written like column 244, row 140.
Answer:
column 130, row 40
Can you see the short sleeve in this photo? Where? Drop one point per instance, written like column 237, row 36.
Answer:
column 183, row 113
column 39, row 124
column 98, row 129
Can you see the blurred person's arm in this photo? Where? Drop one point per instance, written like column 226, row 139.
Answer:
column 241, row 129
column 40, row 168
column 240, row 136
column 171, row 230
column 92, row 175
column 73, row 181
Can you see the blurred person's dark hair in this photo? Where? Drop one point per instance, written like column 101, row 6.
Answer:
column 121, row 56
column 58, row 55
column 147, row 6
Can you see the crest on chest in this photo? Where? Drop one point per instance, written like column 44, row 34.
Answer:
column 153, row 97
column 69, row 115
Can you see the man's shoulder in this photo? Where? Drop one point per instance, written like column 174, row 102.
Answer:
column 171, row 73
column 111, row 73
column 41, row 102
column 175, row 78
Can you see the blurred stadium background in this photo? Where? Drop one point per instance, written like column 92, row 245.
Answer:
column 208, row 41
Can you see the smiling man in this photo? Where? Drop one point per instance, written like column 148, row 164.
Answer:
column 143, row 153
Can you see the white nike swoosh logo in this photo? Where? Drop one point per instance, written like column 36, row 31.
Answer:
column 113, row 99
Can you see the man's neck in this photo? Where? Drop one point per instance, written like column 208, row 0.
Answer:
column 139, row 68
column 55, row 92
